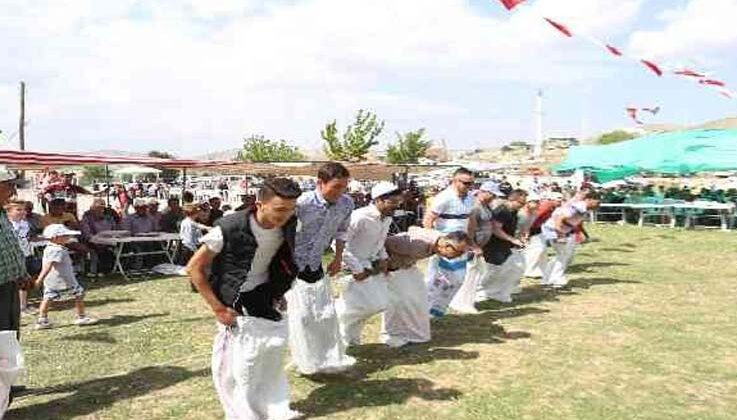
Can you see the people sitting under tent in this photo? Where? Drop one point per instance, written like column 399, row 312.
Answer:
column 140, row 221
column 57, row 214
column 172, row 216
column 96, row 220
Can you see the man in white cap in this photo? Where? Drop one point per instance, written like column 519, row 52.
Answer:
column 365, row 256
column 140, row 221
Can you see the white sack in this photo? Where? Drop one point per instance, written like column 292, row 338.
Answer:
column 248, row 370
column 314, row 335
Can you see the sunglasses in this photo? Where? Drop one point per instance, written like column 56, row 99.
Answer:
column 466, row 183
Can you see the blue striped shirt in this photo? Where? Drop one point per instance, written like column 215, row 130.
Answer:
column 452, row 210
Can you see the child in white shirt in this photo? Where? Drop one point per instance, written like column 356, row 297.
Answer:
column 57, row 276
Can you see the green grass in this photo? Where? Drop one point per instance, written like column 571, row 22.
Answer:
column 648, row 331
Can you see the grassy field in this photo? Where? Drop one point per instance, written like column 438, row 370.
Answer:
column 648, row 331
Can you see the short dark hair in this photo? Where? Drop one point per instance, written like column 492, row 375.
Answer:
column 516, row 194
column 279, row 187
column 457, row 237
column 57, row 202
column 592, row 195
column 187, row 197
column 331, row 171
column 172, row 200
column 462, row 171
column 213, row 199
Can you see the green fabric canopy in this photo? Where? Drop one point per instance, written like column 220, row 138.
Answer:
column 679, row 152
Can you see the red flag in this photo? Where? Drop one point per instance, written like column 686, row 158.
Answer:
column 632, row 112
column 712, row 82
column 614, row 50
column 726, row 93
column 652, row 66
column 565, row 31
column 690, row 73
column 511, row 4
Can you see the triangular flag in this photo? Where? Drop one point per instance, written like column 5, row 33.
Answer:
column 652, row 110
column 726, row 93
column 712, row 82
column 565, row 31
column 690, row 73
column 633, row 114
column 614, row 50
column 652, row 66
column 511, row 4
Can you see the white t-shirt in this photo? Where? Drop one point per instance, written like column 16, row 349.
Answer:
column 452, row 210
column 268, row 240
column 22, row 232
column 574, row 211
column 61, row 277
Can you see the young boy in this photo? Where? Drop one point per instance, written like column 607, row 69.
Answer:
column 16, row 212
column 57, row 276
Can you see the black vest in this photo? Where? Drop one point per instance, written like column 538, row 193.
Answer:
column 231, row 266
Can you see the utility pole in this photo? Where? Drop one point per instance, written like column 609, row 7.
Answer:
column 538, row 125
column 22, row 122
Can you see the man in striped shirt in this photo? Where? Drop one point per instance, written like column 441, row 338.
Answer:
column 451, row 208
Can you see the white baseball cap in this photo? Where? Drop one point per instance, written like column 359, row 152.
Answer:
column 383, row 188
column 140, row 202
column 554, row 196
column 533, row 197
column 56, row 230
column 493, row 188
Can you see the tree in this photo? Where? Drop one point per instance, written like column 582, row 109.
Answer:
column 409, row 148
column 357, row 139
column 166, row 174
column 92, row 173
column 615, row 137
column 260, row 149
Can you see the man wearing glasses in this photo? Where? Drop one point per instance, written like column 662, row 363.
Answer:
column 505, row 263
column 451, row 208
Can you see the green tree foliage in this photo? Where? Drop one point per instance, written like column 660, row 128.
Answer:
column 615, row 137
column 93, row 173
column 358, row 138
column 166, row 174
column 260, row 149
column 409, row 148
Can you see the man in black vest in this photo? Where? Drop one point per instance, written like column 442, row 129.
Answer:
column 250, row 257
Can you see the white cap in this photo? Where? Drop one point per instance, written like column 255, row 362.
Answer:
column 552, row 195
column 5, row 174
column 533, row 197
column 55, row 230
column 140, row 202
column 153, row 201
column 383, row 188
column 493, row 188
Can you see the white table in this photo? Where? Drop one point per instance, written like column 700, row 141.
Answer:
column 119, row 243
column 724, row 211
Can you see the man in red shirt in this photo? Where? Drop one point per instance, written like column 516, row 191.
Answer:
column 535, row 260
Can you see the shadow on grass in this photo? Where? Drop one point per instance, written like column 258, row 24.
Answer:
column 118, row 320
column 89, row 303
column 88, row 397
column 94, row 337
column 341, row 396
column 587, row 282
column 618, row 250
column 111, row 280
column 583, row 267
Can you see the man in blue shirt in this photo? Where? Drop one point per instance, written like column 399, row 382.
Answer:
column 324, row 215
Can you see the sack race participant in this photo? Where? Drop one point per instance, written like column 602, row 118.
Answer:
column 559, row 233
column 505, row 264
column 451, row 208
column 465, row 298
column 250, row 254
column 407, row 318
column 444, row 279
column 324, row 215
column 536, row 259
column 11, row 366
column 365, row 293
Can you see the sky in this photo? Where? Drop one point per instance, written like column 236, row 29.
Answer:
column 197, row 76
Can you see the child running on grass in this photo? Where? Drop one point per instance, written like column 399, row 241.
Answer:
column 57, row 276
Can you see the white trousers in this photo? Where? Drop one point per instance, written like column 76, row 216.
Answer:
column 407, row 318
column 536, row 260
column 502, row 280
column 555, row 272
column 314, row 336
column 248, row 370
column 360, row 301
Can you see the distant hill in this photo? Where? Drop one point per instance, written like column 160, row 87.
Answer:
column 724, row 123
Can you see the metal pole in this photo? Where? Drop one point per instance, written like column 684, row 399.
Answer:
column 107, row 181
column 22, row 120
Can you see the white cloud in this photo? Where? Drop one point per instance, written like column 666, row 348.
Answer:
column 197, row 74
column 693, row 31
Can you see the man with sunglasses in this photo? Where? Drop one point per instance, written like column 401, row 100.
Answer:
column 451, row 208
column 505, row 264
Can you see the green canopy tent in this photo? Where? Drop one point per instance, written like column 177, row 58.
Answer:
column 681, row 152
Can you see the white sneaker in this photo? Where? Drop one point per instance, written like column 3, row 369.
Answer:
column 29, row 311
column 85, row 320
column 43, row 324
